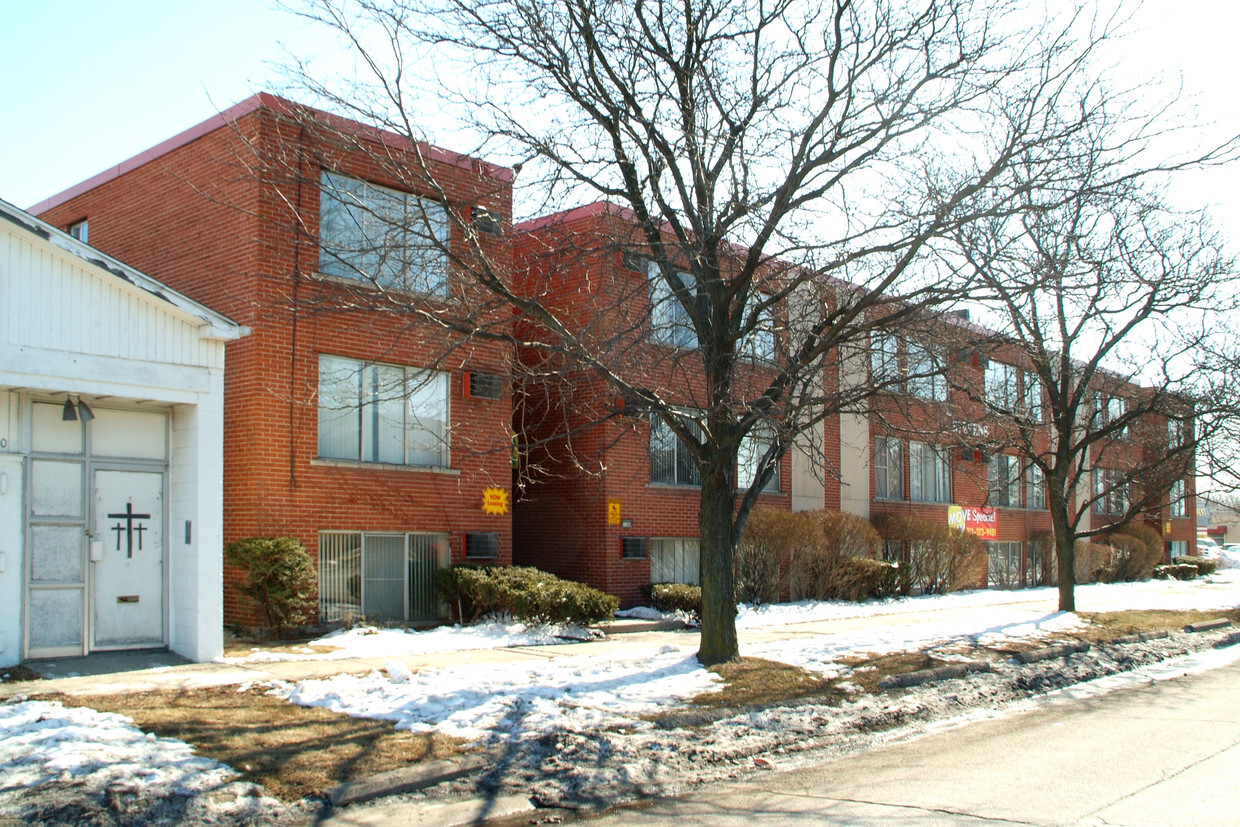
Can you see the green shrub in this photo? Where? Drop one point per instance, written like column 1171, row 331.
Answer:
column 676, row 597
column 1204, row 567
column 279, row 577
column 523, row 593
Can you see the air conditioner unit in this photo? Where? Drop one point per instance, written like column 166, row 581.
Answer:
column 483, row 386
column 486, row 221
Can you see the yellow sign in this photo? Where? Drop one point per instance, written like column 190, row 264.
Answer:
column 1166, row 528
column 494, row 501
column 613, row 512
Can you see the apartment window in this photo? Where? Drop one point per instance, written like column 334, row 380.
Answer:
column 1035, row 486
column 1003, row 565
column 925, row 377
column 382, row 236
column 1003, row 388
column 371, row 412
column 884, row 357
column 1175, row 432
column 888, row 469
column 674, row 560
column 382, row 576
column 1003, row 477
column 80, row 231
column 670, row 461
column 670, row 323
column 752, row 448
column 759, row 344
column 1177, row 507
column 929, row 474
column 1034, row 402
column 1110, row 491
column 1177, row 548
column 1040, row 566
column 1110, row 410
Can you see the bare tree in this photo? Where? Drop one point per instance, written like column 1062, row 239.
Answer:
column 1100, row 376
column 785, row 168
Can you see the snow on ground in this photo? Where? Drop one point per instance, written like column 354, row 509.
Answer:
column 371, row 642
column 598, row 690
column 103, row 754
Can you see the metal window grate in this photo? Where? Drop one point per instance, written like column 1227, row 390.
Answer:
column 481, row 545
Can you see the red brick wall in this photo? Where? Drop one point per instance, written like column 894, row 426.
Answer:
column 215, row 219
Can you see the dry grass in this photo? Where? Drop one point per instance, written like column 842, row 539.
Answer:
column 19, row 674
column 868, row 671
column 756, row 682
column 1106, row 626
column 293, row 751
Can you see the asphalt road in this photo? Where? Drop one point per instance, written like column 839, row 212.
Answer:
column 1167, row 753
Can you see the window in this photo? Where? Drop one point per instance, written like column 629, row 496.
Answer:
column 1040, row 566
column 888, row 469
column 674, row 560
column 634, row 548
column 670, row 461
column 1034, row 403
column 929, row 474
column 670, row 323
column 1110, row 410
column 1003, row 388
column 926, row 379
column 752, row 448
column 370, row 412
column 384, row 576
column 1110, row 491
column 884, row 357
column 1177, row 548
column 80, row 231
column 1003, row 565
column 382, row 236
column 1035, row 485
column 759, row 345
column 1003, row 476
column 1177, row 507
column 481, row 545
column 1175, row 432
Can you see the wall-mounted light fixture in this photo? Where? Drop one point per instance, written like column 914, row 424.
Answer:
column 71, row 413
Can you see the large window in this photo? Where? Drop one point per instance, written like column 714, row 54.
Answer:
column 382, row 236
column 670, row 323
column 759, row 345
column 370, row 412
column 1003, row 477
column 929, row 474
column 381, row 576
column 1003, row 565
column 1177, row 508
column 752, row 448
column 888, row 469
column 670, row 461
column 884, row 357
column 674, row 560
column 1003, row 386
column 1110, row 491
column 925, row 377
column 1111, row 409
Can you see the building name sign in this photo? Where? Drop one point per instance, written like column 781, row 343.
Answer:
column 982, row 522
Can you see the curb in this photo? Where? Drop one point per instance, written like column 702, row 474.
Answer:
column 1208, row 625
column 407, row 779
column 954, row 670
column 1048, row 652
column 1142, row 637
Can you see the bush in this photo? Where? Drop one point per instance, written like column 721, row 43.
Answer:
column 279, row 577
column 522, row 593
column 1133, row 556
column 1091, row 562
column 676, row 597
column 771, row 539
column 838, row 564
column 1045, row 570
column 940, row 559
column 1204, row 567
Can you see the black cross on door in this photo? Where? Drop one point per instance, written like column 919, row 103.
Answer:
column 129, row 528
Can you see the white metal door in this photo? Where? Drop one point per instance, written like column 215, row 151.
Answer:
column 127, row 559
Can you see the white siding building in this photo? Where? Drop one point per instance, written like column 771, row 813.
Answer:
column 111, row 467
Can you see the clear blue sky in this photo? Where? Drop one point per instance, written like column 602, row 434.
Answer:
column 89, row 84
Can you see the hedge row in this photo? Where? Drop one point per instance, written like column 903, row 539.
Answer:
column 522, row 593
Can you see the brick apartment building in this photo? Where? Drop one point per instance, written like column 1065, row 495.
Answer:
column 351, row 423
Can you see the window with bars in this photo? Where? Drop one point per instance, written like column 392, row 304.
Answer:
column 380, row 575
column 674, row 560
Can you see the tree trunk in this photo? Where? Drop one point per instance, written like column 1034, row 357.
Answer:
column 1065, row 548
column 717, row 567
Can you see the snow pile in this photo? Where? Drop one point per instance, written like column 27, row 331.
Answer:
column 372, row 642
column 1229, row 558
column 103, row 754
column 519, row 699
